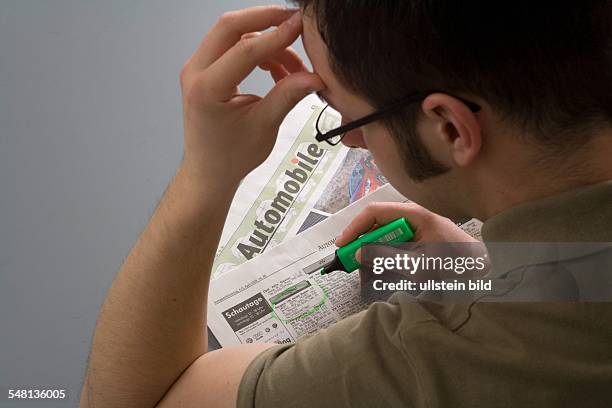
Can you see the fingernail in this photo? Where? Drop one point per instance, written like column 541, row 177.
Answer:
column 358, row 255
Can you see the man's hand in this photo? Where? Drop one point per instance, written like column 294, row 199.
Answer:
column 227, row 133
column 150, row 347
column 428, row 227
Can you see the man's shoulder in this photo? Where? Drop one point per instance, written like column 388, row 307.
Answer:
column 351, row 363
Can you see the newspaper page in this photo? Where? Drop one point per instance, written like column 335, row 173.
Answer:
column 281, row 295
column 302, row 183
column 304, row 188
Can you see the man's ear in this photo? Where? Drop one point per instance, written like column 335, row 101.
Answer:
column 459, row 126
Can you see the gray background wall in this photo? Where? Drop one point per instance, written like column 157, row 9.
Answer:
column 90, row 134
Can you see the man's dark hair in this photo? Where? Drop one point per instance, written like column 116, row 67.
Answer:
column 546, row 66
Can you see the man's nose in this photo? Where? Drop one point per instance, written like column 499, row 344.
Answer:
column 354, row 138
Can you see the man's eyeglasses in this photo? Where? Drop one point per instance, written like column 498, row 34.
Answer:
column 335, row 136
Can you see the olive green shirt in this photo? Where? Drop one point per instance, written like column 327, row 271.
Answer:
column 490, row 354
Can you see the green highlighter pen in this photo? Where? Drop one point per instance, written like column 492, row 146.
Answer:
column 394, row 233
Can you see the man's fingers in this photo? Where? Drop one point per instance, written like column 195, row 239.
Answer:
column 285, row 95
column 373, row 214
column 288, row 57
column 239, row 61
column 278, row 72
column 284, row 63
column 231, row 27
column 290, row 60
column 381, row 214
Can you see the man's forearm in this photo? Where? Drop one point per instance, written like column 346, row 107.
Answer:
column 152, row 325
column 153, row 322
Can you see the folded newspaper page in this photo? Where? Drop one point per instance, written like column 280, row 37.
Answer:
column 280, row 296
column 306, row 188
column 302, row 183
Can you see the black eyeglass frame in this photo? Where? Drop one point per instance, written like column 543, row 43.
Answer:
column 372, row 117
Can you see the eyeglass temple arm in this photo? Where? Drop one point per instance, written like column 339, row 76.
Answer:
column 321, row 137
column 351, row 126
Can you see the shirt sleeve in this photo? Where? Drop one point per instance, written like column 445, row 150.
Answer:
column 360, row 361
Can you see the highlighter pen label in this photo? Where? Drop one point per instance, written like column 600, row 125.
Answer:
column 390, row 236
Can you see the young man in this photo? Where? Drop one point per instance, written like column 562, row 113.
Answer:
column 511, row 124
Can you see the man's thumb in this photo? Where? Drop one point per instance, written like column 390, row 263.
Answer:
column 286, row 94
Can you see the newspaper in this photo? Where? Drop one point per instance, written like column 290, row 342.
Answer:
column 299, row 185
column 281, row 295
column 303, row 196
